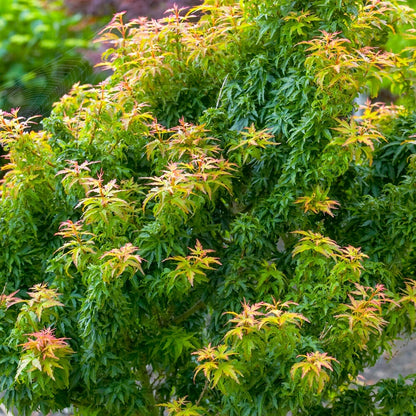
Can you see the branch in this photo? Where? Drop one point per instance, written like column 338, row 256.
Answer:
column 199, row 305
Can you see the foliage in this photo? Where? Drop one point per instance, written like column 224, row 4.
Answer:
column 214, row 230
column 40, row 54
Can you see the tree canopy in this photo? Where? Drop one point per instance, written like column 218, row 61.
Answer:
column 216, row 228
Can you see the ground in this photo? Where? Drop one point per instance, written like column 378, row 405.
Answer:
column 402, row 361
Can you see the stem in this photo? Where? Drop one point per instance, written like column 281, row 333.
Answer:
column 147, row 390
column 199, row 305
column 202, row 393
column 44, row 161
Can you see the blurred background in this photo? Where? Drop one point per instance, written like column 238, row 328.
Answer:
column 47, row 45
column 153, row 9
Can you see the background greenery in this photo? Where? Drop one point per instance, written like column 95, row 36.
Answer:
column 211, row 230
column 40, row 54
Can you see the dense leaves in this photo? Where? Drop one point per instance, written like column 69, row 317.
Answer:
column 215, row 229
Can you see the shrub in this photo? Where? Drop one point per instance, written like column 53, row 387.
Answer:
column 211, row 230
column 40, row 58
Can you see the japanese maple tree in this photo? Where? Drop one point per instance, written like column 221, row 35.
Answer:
column 217, row 228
